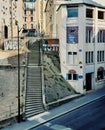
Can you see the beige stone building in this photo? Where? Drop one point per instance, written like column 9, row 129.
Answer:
column 82, row 43
column 29, row 14
column 40, row 16
column 50, row 13
column 11, row 11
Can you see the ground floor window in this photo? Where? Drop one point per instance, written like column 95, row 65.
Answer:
column 100, row 73
column 72, row 75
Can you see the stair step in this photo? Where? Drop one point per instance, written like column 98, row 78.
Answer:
column 33, row 113
column 33, row 101
column 34, row 91
column 34, row 96
column 33, row 106
column 34, row 86
column 33, row 110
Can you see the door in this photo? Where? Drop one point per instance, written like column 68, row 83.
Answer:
column 88, row 81
column 5, row 31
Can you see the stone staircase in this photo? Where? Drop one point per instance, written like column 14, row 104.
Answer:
column 34, row 55
column 34, row 96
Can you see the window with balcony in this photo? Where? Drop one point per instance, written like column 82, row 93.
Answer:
column 72, row 12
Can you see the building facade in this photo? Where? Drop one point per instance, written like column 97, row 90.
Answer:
column 29, row 14
column 11, row 11
column 50, row 13
column 81, row 32
column 40, row 16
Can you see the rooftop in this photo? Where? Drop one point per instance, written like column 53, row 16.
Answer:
column 95, row 3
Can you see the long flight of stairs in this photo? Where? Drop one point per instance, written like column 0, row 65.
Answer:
column 34, row 101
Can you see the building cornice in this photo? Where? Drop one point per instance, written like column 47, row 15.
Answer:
column 92, row 3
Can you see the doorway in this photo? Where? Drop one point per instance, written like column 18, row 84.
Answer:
column 88, row 81
column 5, row 31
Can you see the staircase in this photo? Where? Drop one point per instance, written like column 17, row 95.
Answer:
column 34, row 100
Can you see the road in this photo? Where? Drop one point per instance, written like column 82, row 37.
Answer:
column 87, row 117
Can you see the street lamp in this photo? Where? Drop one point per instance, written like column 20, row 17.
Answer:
column 18, row 77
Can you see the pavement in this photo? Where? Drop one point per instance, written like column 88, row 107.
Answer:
column 58, row 111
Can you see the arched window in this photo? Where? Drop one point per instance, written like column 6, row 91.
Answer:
column 72, row 75
column 100, row 73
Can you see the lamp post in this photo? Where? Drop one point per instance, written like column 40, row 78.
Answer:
column 18, row 77
column 18, row 31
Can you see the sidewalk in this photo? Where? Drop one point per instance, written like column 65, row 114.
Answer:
column 51, row 114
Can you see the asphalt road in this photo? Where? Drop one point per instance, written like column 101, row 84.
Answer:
column 88, row 117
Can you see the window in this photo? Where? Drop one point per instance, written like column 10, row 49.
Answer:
column 72, row 76
column 31, row 19
column 69, row 76
column 89, row 13
column 100, row 56
column 72, row 34
column 24, row 11
column 89, row 35
column 89, row 57
column 101, row 36
column 100, row 15
column 72, row 57
column 25, row 19
column 31, row 11
column 72, row 12
column 31, row 26
column 75, row 76
column 100, row 73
